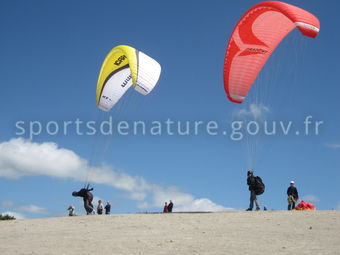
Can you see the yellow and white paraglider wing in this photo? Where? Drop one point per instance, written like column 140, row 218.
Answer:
column 122, row 68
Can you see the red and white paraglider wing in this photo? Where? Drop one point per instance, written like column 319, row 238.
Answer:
column 255, row 37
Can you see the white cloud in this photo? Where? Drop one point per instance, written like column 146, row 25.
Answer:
column 32, row 209
column 255, row 111
column 333, row 145
column 310, row 198
column 184, row 201
column 202, row 204
column 24, row 208
column 16, row 215
column 19, row 157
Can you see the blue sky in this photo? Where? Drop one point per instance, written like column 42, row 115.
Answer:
column 51, row 53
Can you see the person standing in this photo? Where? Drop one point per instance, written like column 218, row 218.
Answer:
column 100, row 207
column 165, row 209
column 107, row 207
column 293, row 195
column 252, row 186
column 170, row 206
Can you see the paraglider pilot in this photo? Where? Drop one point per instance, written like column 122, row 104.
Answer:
column 87, row 196
column 293, row 195
column 252, row 185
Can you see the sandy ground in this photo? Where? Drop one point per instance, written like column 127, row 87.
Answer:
column 271, row 232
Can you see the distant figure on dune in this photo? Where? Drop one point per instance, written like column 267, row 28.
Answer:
column 170, row 206
column 100, row 207
column 107, row 207
column 87, row 196
column 165, row 209
column 293, row 195
column 71, row 210
column 252, row 182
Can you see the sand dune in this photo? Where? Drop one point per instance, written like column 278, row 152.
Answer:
column 271, row 232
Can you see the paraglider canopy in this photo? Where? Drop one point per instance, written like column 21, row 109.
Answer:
column 305, row 206
column 122, row 68
column 255, row 37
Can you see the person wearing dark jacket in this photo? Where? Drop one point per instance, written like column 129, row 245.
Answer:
column 170, row 206
column 293, row 195
column 107, row 208
column 87, row 196
column 253, row 198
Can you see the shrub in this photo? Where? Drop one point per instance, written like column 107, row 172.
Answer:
column 6, row 217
